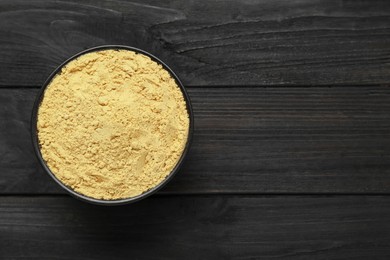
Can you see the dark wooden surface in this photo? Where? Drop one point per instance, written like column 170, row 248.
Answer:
column 268, row 42
column 197, row 227
column 291, row 151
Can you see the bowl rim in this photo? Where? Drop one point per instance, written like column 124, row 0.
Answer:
column 34, row 133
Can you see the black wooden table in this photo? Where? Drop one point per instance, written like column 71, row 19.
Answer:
column 291, row 151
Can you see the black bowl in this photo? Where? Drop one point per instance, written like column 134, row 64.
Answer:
column 119, row 201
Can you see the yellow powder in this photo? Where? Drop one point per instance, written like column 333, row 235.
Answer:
column 112, row 124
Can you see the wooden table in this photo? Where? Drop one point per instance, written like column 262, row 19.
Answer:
column 291, row 151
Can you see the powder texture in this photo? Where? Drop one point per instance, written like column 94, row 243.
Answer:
column 112, row 124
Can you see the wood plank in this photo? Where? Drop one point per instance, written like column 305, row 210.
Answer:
column 247, row 140
column 197, row 227
column 268, row 42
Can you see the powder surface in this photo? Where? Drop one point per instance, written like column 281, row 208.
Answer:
column 112, row 124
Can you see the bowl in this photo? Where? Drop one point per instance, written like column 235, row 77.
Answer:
column 80, row 196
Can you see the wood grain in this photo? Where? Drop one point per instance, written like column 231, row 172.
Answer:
column 220, row 43
column 197, row 227
column 246, row 140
